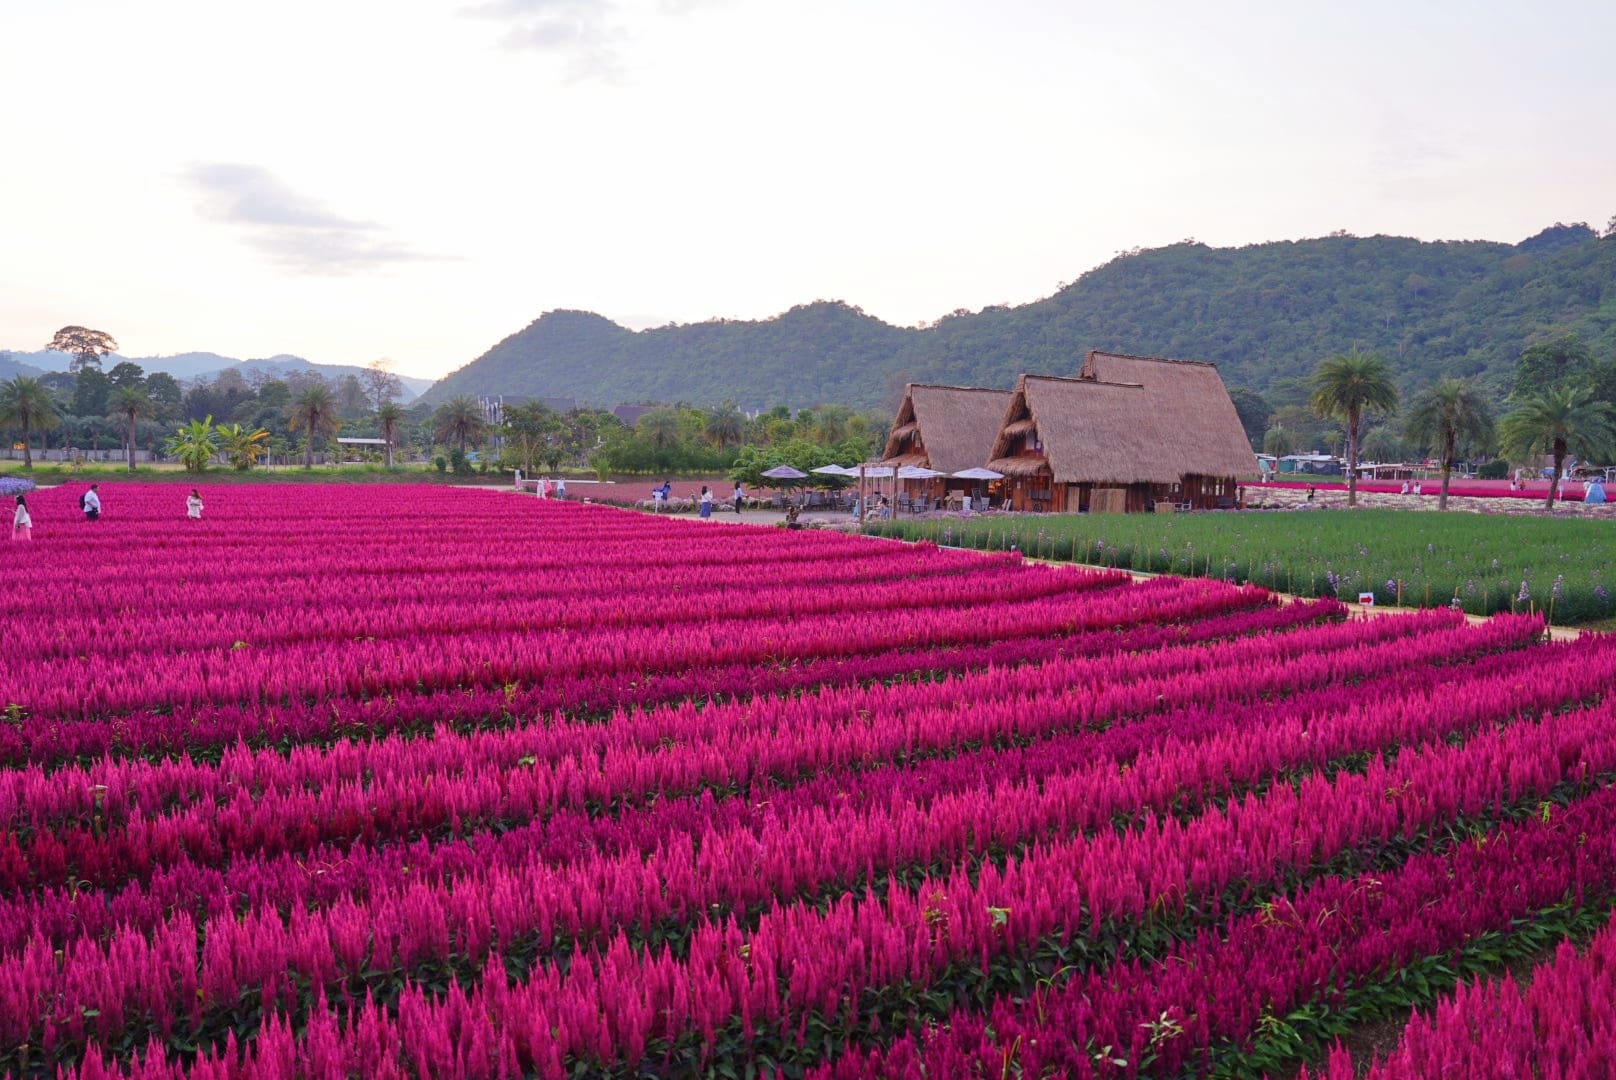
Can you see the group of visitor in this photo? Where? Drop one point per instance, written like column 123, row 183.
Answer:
column 22, row 521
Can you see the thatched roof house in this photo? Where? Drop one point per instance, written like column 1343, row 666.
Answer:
column 947, row 428
column 1129, row 432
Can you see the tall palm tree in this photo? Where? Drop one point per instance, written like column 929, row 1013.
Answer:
column 314, row 412
column 1561, row 421
column 388, row 417
column 131, row 404
column 25, row 403
column 1345, row 387
column 460, row 421
column 1448, row 415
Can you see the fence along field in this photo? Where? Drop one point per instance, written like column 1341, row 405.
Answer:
column 422, row 781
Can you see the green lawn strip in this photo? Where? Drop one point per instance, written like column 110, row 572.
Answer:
column 1418, row 559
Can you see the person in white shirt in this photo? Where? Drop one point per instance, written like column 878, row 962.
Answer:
column 92, row 503
column 193, row 505
column 22, row 526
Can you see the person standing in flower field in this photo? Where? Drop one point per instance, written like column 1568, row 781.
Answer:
column 22, row 526
column 193, row 505
column 740, row 496
column 90, row 502
column 706, row 502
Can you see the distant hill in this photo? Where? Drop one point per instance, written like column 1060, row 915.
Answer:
column 194, row 365
column 1263, row 313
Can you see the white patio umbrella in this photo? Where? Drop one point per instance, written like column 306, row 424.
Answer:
column 977, row 473
column 916, row 472
column 784, row 472
column 834, row 470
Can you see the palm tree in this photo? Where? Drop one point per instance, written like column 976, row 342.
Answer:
column 726, row 426
column 314, row 412
column 1446, row 416
column 660, row 428
column 131, row 404
column 460, row 421
column 243, row 446
column 194, row 444
column 25, row 403
column 1561, row 421
column 388, row 417
column 1344, row 388
column 1278, row 441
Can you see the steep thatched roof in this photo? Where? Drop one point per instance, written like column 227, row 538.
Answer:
column 956, row 426
column 1130, row 419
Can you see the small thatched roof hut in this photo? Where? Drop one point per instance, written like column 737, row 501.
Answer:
column 1140, row 429
column 947, row 428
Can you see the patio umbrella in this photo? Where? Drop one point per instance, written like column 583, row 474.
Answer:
column 916, row 472
column 832, row 470
column 977, row 473
column 784, row 472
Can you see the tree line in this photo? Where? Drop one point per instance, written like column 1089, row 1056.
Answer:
column 240, row 423
column 1560, row 404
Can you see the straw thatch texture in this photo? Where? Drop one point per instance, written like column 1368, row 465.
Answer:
column 956, row 426
column 1018, row 466
column 1169, row 420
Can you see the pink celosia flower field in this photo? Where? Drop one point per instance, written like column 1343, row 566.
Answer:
column 394, row 781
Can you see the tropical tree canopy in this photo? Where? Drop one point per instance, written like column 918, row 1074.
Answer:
column 194, row 444
column 131, row 404
column 726, row 425
column 27, row 404
column 243, row 446
column 314, row 412
column 86, row 346
column 460, row 421
column 388, row 418
column 1345, row 387
column 1450, row 416
column 1558, row 421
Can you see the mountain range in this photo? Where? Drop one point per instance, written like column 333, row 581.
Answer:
column 196, row 365
column 1264, row 313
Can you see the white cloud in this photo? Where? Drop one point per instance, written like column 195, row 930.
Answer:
column 293, row 230
column 587, row 34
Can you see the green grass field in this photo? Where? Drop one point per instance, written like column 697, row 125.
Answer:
column 1563, row 567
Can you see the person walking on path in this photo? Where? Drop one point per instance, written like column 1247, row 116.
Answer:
column 193, row 505
column 22, row 526
column 740, row 496
column 91, row 502
column 706, row 502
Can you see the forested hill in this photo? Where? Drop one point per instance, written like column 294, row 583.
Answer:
column 1262, row 313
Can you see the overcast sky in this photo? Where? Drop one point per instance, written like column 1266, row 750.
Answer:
column 416, row 179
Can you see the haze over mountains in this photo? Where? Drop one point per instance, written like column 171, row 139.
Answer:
column 194, row 365
column 1264, row 312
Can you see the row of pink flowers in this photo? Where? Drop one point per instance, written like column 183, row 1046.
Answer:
column 612, row 1005
column 453, row 783
column 1561, row 1026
